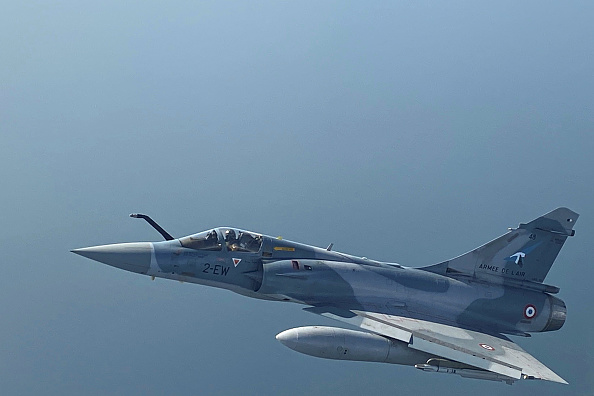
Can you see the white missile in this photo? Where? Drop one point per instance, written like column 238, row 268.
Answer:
column 466, row 372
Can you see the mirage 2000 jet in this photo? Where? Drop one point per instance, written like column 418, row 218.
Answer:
column 452, row 317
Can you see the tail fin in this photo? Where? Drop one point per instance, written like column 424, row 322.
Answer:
column 525, row 253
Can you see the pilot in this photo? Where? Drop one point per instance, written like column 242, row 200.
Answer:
column 212, row 240
column 231, row 240
column 248, row 242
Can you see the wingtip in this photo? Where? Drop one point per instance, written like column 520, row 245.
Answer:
column 547, row 376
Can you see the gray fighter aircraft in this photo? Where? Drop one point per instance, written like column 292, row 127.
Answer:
column 449, row 317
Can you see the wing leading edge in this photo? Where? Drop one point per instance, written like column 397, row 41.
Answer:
column 491, row 353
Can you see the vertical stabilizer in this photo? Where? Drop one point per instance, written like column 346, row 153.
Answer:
column 523, row 254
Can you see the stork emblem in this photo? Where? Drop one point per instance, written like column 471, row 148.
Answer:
column 518, row 258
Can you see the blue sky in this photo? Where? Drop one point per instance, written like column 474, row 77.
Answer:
column 401, row 131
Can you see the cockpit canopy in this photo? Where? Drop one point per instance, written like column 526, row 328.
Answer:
column 234, row 240
column 241, row 241
column 206, row 240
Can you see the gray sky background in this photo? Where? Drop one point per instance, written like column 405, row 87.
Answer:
column 401, row 131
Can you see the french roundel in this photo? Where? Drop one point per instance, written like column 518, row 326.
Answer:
column 529, row 311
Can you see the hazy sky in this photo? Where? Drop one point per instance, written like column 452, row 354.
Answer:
column 401, row 131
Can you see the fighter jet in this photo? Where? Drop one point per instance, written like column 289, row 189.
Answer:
column 452, row 317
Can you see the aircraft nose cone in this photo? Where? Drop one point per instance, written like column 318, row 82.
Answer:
column 135, row 257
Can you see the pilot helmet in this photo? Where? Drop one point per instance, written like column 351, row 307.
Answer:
column 230, row 234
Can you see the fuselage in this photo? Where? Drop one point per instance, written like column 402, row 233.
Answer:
column 264, row 267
